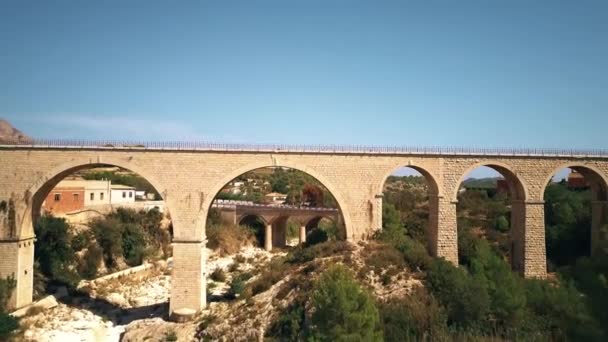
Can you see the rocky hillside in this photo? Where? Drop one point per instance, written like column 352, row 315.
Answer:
column 9, row 134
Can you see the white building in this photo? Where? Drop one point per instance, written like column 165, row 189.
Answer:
column 122, row 194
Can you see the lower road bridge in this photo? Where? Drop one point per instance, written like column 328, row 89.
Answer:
column 275, row 217
column 189, row 176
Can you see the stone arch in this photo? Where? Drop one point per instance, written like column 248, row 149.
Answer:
column 316, row 219
column 246, row 215
column 434, row 192
column 598, row 184
column 429, row 177
column 591, row 173
column 344, row 209
column 36, row 193
column 519, row 195
column 517, row 186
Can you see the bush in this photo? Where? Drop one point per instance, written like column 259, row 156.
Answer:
column 92, row 260
column 289, row 325
column 133, row 244
column 8, row 324
column 342, row 310
column 274, row 272
column 7, row 285
column 466, row 300
column 53, row 251
column 108, row 234
column 416, row 317
column 218, row 275
column 415, row 254
column 502, row 224
column 228, row 239
column 562, row 311
column 505, row 288
column 324, row 249
column 316, row 236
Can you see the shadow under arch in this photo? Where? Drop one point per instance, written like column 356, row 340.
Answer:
column 246, row 217
column 344, row 212
column 518, row 192
column 598, row 184
column 38, row 191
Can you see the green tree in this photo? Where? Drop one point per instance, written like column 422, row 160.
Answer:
column 342, row 310
column 53, row 251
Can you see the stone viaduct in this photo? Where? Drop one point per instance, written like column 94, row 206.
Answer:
column 274, row 218
column 189, row 175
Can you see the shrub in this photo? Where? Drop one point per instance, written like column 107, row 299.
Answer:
column 80, row 241
column 416, row 317
column 238, row 288
column 92, row 260
column 133, row 244
column 275, row 271
column 289, row 325
column 466, row 300
column 53, row 252
column 502, row 224
column 234, row 266
column 505, row 288
column 218, row 275
column 108, row 233
column 415, row 254
column 8, row 324
column 316, row 236
column 7, row 285
column 228, row 239
column 302, row 255
column 342, row 310
column 562, row 311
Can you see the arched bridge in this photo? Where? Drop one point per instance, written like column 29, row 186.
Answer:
column 275, row 217
column 189, row 175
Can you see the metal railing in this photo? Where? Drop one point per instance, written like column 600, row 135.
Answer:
column 232, row 204
column 287, row 148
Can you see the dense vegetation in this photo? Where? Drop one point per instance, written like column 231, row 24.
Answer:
column 123, row 238
column 482, row 299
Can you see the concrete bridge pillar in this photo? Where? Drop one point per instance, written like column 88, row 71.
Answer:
column 443, row 233
column 189, row 280
column 599, row 213
column 534, row 250
column 302, row 234
column 268, row 237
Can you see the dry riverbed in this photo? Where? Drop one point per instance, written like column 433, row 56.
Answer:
column 128, row 303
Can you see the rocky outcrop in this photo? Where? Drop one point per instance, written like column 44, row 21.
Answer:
column 11, row 135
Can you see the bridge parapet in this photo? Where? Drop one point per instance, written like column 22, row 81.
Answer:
column 290, row 148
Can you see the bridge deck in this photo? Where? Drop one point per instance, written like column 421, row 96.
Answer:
column 313, row 149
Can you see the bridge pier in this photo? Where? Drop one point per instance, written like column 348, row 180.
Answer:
column 443, row 237
column 599, row 217
column 189, row 281
column 18, row 262
column 268, row 237
column 533, row 238
column 302, row 234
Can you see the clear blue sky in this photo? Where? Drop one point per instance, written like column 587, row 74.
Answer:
column 459, row 73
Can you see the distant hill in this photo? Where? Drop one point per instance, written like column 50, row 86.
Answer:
column 481, row 183
column 11, row 135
